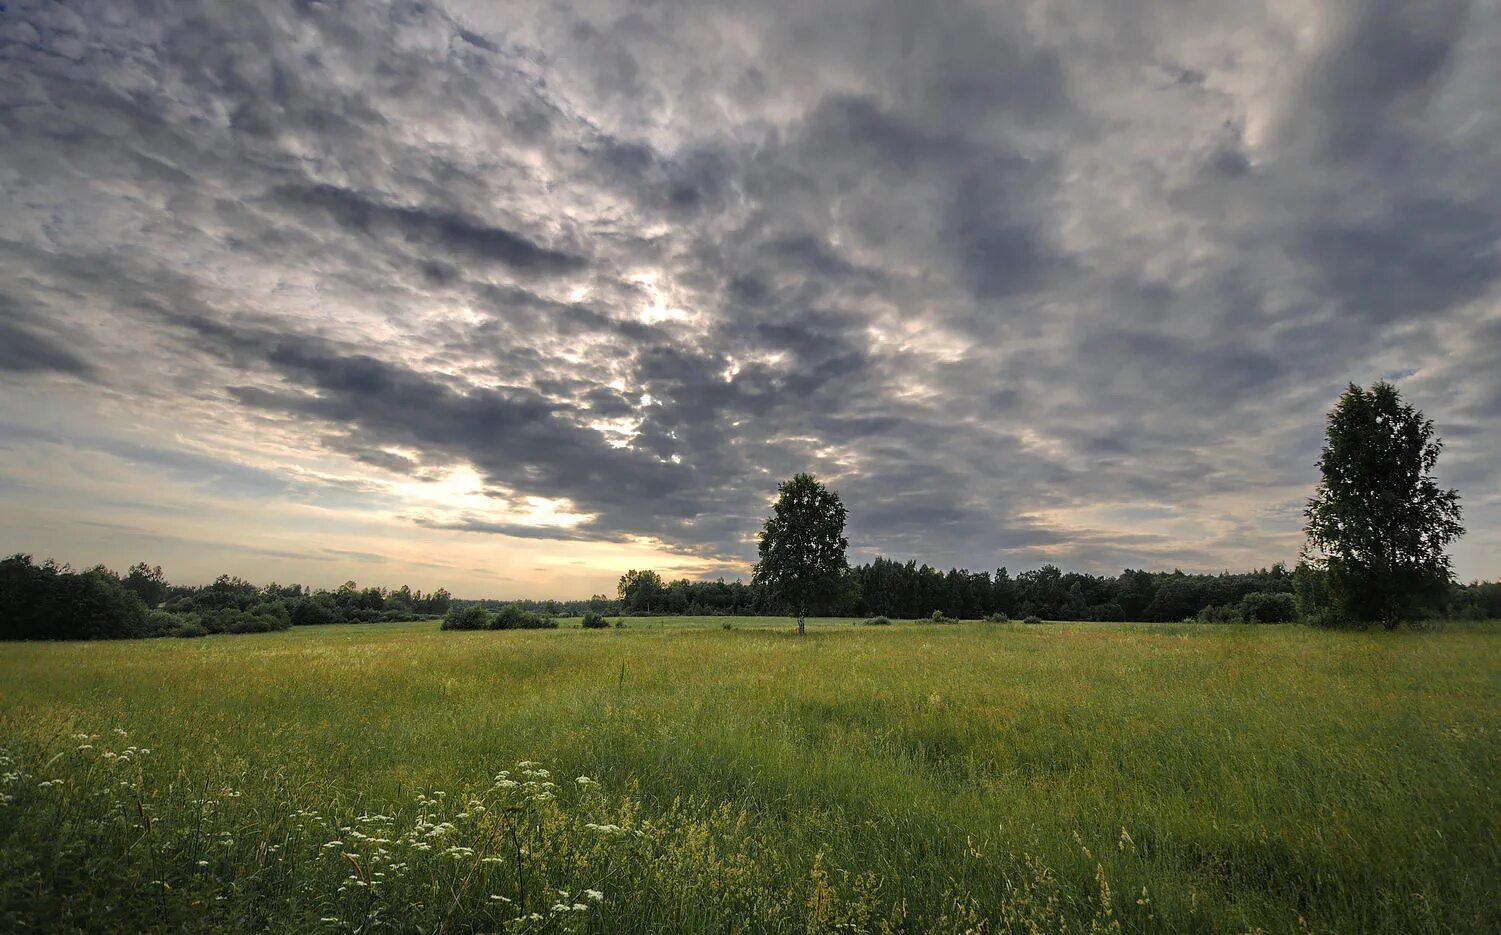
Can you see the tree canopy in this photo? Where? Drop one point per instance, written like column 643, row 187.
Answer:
column 1378, row 523
column 802, row 547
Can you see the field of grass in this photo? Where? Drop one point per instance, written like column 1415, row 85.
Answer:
column 917, row 777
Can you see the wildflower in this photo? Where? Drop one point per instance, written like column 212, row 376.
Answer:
column 594, row 896
column 607, row 830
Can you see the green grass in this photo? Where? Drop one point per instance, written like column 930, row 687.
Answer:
column 1068, row 777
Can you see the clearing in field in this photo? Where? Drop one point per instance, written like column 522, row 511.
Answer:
column 686, row 777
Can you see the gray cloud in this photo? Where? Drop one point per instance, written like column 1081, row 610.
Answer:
column 23, row 350
column 1073, row 284
column 445, row 231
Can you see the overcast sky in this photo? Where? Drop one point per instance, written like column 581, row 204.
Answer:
column 511, row 297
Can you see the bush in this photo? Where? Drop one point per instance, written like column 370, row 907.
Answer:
column 511, row 617
column 1218, row 613
column 593, row 621
column 189, row 630
column 1032, row 618
column 250, row 623
column 878, row 621
column 940, row 617
column 997, row 618
column 1268, row 607
column 470, row 617
column 162, row 623
column 1315, row 599
column 311, row 613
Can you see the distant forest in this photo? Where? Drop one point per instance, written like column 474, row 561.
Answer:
column 53, row 601
column 908, row 590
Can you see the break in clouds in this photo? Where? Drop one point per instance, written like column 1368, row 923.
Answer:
column 1053, row 281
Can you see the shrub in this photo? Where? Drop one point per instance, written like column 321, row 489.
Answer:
column 511, row 617
column 940, row 617
column 189, row 630
column 470, row 617
column 1032, row 618
column 162, row 623
column 878, row 621
column 308, row 613
column 1218, row 613
column 250, row 623
column 997, row 618
column 1268, row 607
column 593, row 621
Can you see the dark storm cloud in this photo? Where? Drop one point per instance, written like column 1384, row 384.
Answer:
column 1000, row 273
column 24, row 350
column 515, row 530
column 445, row 231
column 1413, row 259
column 1386, row 60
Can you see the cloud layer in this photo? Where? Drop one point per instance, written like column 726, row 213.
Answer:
column 1041, row 282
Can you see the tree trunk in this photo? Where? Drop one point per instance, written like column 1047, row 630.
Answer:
column 802, row 626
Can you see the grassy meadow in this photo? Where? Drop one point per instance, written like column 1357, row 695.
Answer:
column 914, row 778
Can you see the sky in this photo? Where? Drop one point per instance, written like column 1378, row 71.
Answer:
column 511, row 297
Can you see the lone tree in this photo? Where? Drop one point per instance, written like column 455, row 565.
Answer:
column 1377, row 517
column 802, row 547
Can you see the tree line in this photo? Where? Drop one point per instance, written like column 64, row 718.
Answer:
column 908, row 590
column 51, row 601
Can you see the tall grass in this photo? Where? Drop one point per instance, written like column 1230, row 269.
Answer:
column 1072, row 777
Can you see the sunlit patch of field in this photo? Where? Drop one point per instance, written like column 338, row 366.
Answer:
column 916, row 777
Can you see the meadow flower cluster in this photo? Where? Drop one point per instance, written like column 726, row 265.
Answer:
column 519, row 854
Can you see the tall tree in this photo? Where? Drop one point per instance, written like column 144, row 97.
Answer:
column 641, row 591
column 1378, row 519
column 802, row 547
column 146, row 582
